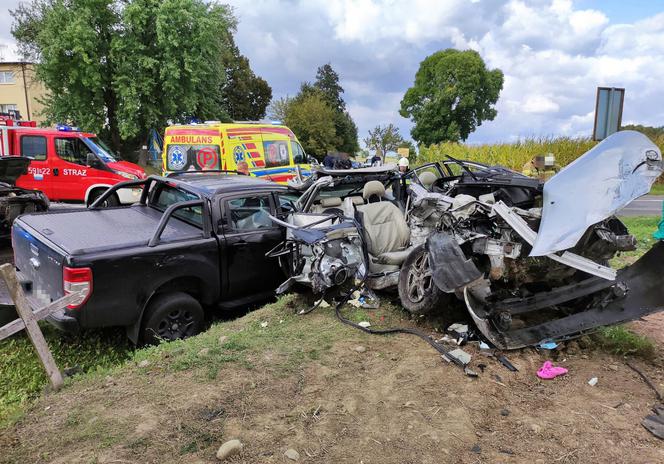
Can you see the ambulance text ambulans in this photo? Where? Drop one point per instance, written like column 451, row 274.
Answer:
column 67, row 164
column 265, row 150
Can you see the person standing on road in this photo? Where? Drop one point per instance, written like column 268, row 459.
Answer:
column 376, row 160
column 328, row 161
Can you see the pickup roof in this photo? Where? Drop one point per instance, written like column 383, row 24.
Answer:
column 194, row 242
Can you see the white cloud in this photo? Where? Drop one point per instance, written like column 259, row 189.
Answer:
column 539, row 104
column 553, row 54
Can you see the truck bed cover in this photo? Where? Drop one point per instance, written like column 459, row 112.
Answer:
column 106, row 229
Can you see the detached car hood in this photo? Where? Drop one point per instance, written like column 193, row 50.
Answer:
column 594, row 187
column 13, row 167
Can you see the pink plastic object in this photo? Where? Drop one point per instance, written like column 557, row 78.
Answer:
column 549, row 371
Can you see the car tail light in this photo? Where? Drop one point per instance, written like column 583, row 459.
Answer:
column 77, row 279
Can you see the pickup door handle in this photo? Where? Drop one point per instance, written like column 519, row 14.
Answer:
column 56, row 171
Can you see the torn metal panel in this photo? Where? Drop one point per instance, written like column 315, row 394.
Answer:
column 594, row 187
column 450, row 269
column 570, row 259
column 637, row 293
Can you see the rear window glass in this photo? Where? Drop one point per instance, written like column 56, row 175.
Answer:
column 33, row 147
column 276, row 153
column 165, row 196
column 192, row 157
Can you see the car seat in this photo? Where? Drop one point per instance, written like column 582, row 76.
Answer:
column 385, row 230
column 427, row 178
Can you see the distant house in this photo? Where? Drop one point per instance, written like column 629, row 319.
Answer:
column 20, row 90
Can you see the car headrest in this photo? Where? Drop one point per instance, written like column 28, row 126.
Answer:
column 357, row 200
column 330, row 202
column 373, row 191
column 428, row 178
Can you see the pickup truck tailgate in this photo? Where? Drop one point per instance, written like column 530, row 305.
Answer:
column 39, row 264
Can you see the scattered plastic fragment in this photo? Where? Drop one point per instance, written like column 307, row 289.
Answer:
column 264, row 324
column 549, row 371
column 469, row 372
column 364, row 324
column 355, row 303
column 592, row 382
column 548, row 345
column 460, row 355
column 506, row 362
column 655, row 422
column 484, row 346
column 458, row 328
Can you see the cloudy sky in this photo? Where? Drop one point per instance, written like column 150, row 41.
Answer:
column 553, row 53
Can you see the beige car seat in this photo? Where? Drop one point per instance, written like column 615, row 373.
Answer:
column 386, row 232
column 427, row 178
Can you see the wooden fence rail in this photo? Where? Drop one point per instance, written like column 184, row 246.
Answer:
column 28, row 320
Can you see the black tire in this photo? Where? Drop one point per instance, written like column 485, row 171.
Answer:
column 171, row 316
column 113, row 200
column 417, row 291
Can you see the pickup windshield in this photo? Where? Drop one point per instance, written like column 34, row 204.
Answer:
column 166, row 195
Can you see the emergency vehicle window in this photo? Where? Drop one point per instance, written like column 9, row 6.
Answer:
column 299, row 157
column 249, row 213
column 72, row 150
column 33, row 147
column 276, row 153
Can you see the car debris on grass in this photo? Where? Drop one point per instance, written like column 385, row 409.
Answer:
column 527, row 259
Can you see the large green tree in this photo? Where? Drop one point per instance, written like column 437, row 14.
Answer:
column 245, row 95
column 384, row 139
column 311, row 118
column 120, row 67
column 327, row 81
column 453, row 94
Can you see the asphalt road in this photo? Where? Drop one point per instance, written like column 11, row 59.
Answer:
column 649, row 205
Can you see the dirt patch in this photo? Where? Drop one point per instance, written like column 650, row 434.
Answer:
column 394, row 402
column 651, row 326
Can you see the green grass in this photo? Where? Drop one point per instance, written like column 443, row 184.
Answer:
column 642, row 227
column 621, row 341
column 657, row 189
column 22, row 376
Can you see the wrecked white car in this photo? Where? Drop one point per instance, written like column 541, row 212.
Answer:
column 530, row 261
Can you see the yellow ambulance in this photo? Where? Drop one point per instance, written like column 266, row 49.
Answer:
column 265, row 150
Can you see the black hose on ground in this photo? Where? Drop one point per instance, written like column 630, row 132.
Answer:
column 405, row 330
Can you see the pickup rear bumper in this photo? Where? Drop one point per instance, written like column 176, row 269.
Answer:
column 63, row 322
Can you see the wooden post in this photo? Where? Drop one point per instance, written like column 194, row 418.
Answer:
column 34, row 332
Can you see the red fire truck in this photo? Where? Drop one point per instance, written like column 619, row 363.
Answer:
column 66, row 163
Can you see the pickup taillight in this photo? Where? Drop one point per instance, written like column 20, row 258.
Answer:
column 77, row 279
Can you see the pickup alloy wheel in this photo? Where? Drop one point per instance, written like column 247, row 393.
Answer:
column 172, row 316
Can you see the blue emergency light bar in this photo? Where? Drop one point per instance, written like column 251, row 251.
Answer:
column 67, row 128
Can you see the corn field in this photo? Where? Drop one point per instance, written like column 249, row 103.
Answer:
column 515, row 155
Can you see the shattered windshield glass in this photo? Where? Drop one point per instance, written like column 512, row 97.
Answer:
column 604, row 180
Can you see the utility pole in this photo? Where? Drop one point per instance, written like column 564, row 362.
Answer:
column 25, row 90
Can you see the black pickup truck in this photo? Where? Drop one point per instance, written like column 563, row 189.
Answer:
column 194, row 242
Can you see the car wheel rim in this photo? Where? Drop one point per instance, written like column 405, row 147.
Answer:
column 419, row 279
column 176, row 324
